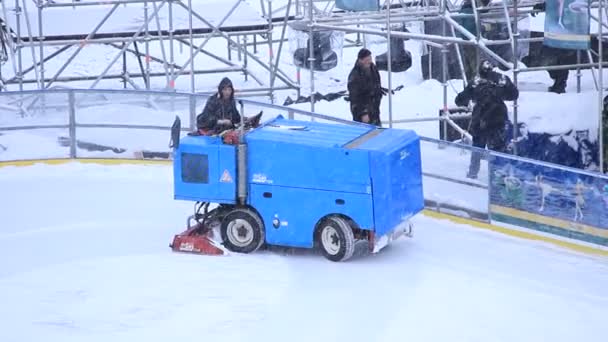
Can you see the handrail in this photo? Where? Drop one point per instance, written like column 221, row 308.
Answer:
column 25, row 128
column 288, row 110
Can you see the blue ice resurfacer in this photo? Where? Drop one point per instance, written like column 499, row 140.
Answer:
column 299, row 184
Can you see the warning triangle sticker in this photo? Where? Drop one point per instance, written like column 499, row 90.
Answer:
column 226, row 178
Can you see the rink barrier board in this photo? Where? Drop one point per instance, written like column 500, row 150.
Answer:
column 101, row 161
column 550, row 225
column 560, row 201
column 523, row 234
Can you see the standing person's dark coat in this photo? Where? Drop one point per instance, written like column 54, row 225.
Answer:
column 365, row 90
column 488, row 93
column 220, row 112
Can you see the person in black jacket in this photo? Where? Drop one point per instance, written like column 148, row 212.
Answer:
column 488, row 92
column 365, row 91
column 220, row 112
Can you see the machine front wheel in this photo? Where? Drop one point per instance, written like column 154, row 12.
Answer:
column 242, row 231
column 336, row 239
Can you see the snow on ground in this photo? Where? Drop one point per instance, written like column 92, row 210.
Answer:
column 559, row 113
column 94, row 264
column 34, row 144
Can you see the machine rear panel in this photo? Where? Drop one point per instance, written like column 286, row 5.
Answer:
column 395, row 165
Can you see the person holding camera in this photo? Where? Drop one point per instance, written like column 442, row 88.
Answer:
column 488, row 91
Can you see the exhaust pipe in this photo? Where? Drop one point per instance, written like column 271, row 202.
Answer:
column 242, row 173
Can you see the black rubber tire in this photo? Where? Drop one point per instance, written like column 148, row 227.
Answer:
column 252, row 225
column 342, row 246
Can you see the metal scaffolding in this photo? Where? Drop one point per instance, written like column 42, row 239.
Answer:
column 314, row 14
column 402, row 11
column 173, row 22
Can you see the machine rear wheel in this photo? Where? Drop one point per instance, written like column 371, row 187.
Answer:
column 242, row 231
column 336, row 239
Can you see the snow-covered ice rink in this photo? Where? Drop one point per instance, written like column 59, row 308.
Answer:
column 85, row 257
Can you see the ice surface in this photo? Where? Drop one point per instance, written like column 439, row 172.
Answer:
column 85, row 257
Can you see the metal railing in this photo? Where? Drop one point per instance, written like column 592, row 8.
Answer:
column 74, row 124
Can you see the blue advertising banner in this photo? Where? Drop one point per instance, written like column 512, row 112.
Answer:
column 567, row 24
column 551, row 200
column 358, row 5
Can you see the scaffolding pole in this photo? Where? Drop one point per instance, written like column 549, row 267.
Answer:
column 28, row 39
column 408, row 35
column 41, row 45
column 30, row 34
column 94, row 3
column 9, row 43
column 202, row 45
column 600, row 99
column 46, row 59
column 444, row 65
column 270, row 49
column 127, row 44
column 389, row 64
column 311, row 57
column 283, row 31
column 162, row 45
column 147, row 42
column 192, row 54
column 19, row 45
column 82, row 44
column 169, row 84
column 515, row 46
